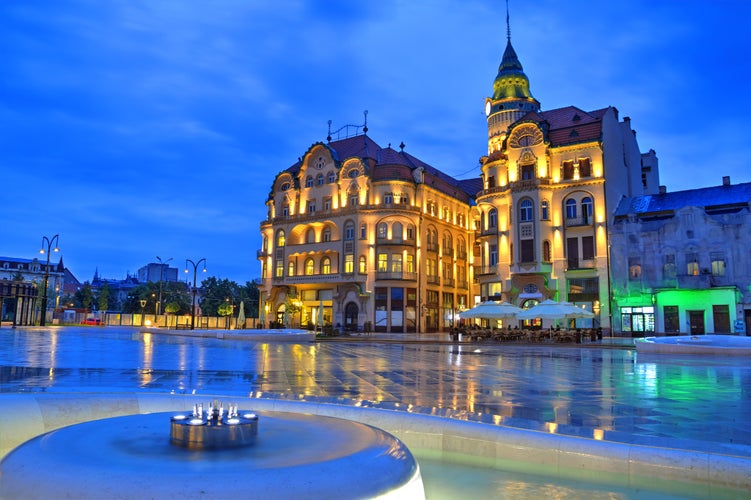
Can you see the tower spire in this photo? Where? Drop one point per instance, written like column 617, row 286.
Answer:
column 508, row 25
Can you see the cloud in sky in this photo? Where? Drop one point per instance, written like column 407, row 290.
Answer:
column 140, row 128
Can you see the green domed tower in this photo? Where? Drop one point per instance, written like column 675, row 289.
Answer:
column 511, row 96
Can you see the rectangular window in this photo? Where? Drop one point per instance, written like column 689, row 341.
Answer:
column 383, row 262
column 279, row 271
column 585, row 167
column 349, row 264
column 327, row 205
column 568, row 170
column 634, row 268
column 672, row 325
column 311, row 207
column 572, row 252
column 718, row 263
column 363, row 265
column 721, row 315
column 493, row 257
column 668, row 267
column 432, row 268
column 588, row 247
column 410, row 263
column 528, row 250
column 363, row 231
column 353, row 201
column 692, row 264
column 396, row 263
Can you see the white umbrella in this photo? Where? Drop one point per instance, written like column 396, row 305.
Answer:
column 241, row 316
column 550, row 309
column 491, row 310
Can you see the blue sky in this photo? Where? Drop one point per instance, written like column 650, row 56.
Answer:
column 155, row 127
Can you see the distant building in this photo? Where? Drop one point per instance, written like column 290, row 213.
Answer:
column 33, row 270
column 681, row 261
column 156, row 272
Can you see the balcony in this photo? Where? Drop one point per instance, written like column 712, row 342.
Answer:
column 461, row 254
column 694, row 281
column 448, row 281
column 432, row 247
column 481, row 270
column 433, row 280
column 463, row 284
column 578, row 221
column 261, row 254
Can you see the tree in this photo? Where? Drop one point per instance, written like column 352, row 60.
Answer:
column 104, row 298
column 216, row 292
column 84, row 296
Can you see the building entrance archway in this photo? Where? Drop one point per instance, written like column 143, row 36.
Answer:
column 351, row 312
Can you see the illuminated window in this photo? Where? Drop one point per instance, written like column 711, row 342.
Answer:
column 309, row 267
column 291, row 268
column 363, row 265
column 280, row 238
column 410, row 263
column 349, row 264
column 383, row 262
column 692, row 264
column 718, row 263
column 396, row 263
column 326, row 266
column 634, row 268
column 279, row 269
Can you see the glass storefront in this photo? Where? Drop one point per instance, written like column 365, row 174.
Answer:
column 638, row 319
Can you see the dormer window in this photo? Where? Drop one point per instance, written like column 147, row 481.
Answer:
column 353, row 173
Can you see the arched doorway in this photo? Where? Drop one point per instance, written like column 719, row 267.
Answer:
column 528, row 304
column 351, row 311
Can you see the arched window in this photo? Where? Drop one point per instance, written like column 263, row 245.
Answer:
column 280, row 239
column 383, row 230
column 291, row 268
column 571, row 208
column 363, row 265
column 309, row 267
column 349, row 231
column 587, row 210
column 448, row 243
column 526, row 211
column 546, row 254
column 325, row 265
column 332, row 177
column 319, row 180
column 310, row 236
column 493, row 218
column 309, row 181
column 544, row 210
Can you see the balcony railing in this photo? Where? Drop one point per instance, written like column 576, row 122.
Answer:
column 480, row 270
column 389, row 275
column 434, row 280
column 578, row 221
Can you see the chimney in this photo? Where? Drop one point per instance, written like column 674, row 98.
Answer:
column 726, row 180
column 663, row 190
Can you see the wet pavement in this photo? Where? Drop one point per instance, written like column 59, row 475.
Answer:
column 602, row 391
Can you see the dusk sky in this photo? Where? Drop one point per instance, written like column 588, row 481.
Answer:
column 137, row 128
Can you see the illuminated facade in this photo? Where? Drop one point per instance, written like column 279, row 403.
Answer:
column 551, row 182
column 684, row 264
column 373, row 236
column 360, row 236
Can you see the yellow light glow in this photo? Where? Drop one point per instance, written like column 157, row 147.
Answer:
column 552, row 427
column 598, row 434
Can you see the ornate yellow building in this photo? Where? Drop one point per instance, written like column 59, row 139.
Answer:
column 361, row 236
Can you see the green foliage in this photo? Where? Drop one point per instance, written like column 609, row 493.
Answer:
column 172, row 308
column 84, row 297
column 103, row 298
column 172, row 292
column 224, row 309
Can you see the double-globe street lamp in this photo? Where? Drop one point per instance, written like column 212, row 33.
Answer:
column 195, row 270
column 50, row 243
column 159, row 303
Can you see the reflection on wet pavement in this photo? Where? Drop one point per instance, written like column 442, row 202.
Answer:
column 689, row 402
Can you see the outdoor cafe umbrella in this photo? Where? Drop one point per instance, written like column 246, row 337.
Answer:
column 491, row 310
column 241, row 316
column 550, row 309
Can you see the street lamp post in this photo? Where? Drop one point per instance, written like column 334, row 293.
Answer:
column 143, row 304
column 50, row 243
column 195, row 270
column 161, row 268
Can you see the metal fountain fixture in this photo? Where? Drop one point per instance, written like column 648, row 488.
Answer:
column 213, row 427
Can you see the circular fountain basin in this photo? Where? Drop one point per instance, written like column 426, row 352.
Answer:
column 294, row 456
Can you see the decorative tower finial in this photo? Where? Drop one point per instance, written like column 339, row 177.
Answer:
column 508, row 24
column 365, row 125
